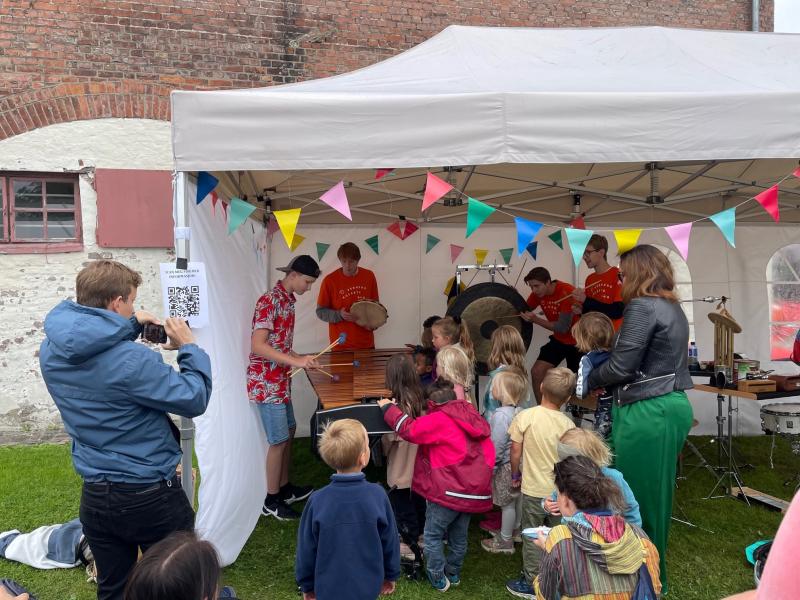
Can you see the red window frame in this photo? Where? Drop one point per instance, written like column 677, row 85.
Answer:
column 9, row 244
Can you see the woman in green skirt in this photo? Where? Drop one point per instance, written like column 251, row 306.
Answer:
column 647, row 373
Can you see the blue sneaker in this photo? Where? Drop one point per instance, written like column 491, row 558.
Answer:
column 520, row 588
column 453, row 579
column 440, row 583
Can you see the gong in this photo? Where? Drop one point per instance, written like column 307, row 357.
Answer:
column 485, row 307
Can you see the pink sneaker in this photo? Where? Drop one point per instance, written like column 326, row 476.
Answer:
column 497, row 546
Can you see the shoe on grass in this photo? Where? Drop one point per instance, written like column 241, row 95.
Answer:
column 440, row 583
column 497, row 545
column 520, row 588
column 454, row 579
column 291, row 493
column 280, row 510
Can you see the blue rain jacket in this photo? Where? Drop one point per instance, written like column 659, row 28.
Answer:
column 114, row 393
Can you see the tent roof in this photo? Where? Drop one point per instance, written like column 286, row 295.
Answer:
column 527, row 117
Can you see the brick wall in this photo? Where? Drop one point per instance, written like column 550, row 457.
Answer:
column 66, row 60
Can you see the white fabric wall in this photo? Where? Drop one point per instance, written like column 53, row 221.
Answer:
column 230, row 443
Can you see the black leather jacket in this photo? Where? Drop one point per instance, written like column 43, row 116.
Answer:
column 649, row 354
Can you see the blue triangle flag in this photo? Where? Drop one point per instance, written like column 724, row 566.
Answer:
column 726, row 221
column 531, row 248
column 526, row 231
column 206, row 183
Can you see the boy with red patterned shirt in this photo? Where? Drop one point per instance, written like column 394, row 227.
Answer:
column 602, row 291
column 269, row 385
column 555, row 299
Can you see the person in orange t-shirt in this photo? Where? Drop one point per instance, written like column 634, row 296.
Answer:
column 555, row 299
column 338, row 292
column 602, row 291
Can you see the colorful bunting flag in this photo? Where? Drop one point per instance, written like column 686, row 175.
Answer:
column 578, row 238
column 272, row 226
column 769, row 200
column 206, row 183
column 402, row 228
column 796, row 172
column 214, row 200
column 240, row 210
column 626, row 239
column 336, row 198
column 477, row 213
column 679, row 234
column 296, row 241
column 480, row 255
column 726, row 221
column 381, row 173
column 224, row 210
column 455, row 251
column 578, row 223
column 372, row 242
column 287, row 222
column 526, row 231
column 435, row 188
column 557, row 239
column 532, row 248
column 322, row 248
column 506, row 254
column 430, row 242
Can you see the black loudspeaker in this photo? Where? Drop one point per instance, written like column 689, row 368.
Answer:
column 368, row 413
column 720, row 379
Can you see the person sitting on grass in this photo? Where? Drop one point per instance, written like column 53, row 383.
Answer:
column 347, row 543
column 594, row 553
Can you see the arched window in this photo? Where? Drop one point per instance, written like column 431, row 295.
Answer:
column 683, row 284
column 783, row 292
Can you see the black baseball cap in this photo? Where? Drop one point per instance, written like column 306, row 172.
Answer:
column 303, row 264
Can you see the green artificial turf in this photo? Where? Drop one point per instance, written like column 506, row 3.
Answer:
column 39, row 487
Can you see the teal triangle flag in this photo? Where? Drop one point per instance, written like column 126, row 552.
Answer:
column 238, row 213
column 322, row 248
column 557, row 239
column 431, row 242
column 373, row 243
column 726, row 221
column 578, row 238
column 477, row 213
column 506, row 254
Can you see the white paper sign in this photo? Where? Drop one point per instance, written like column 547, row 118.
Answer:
column 185, row 293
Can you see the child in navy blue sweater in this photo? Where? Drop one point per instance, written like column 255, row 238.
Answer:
column 347, row 544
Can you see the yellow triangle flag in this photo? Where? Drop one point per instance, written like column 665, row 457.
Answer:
column 480, row 255
column 287, row 221
column 296, row 241
column 626, row 239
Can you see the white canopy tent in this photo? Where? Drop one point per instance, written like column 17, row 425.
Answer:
column 647, row 126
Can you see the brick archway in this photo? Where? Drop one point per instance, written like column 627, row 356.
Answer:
column 78, row 101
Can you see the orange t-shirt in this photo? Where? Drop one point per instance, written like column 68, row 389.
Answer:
column 339, row 292
column 560, row 301
column 607, row 290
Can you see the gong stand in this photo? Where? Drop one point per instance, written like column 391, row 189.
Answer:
column 493, row 270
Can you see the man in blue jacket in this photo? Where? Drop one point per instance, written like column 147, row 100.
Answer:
column 114, row 395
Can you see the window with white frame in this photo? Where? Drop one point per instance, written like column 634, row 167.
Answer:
column 783, row 293
column 683, row 284
column 39, row 209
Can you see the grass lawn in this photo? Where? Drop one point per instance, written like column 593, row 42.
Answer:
column 39, row 487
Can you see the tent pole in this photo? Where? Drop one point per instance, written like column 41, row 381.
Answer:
column 182, row 254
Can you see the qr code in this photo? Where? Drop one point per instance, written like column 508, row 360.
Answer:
column 184, row 301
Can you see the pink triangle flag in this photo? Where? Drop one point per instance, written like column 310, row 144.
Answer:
column 272, row 226
column 769, row 200
column 225, row 209
column 214, row 199
column 408, row 229
column 336, row 198
column 435, row 188
column 796, row 172
column 455, row 251
column 679, row 234
column 578, row 223
column 381, row 173
column 395, row 229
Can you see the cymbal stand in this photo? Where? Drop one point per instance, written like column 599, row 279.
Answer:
column 731, row 473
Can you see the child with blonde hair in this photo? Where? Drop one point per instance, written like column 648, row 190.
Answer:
column 534, row 434
column 450, row 331
column 582, row 442
column 594, row 335
column 510, row 388
column 508, row 350
column 454, row 364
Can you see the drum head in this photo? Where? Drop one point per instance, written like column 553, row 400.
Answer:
column 485, row 307
column 789, row 409
column 369, row 314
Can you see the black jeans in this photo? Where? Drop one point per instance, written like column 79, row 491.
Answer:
column 409, row 512
column 120, row 518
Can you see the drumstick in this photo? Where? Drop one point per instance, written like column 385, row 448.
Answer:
column 340, row 340
column 355, row 363
column 508, row 317
column 591, row 285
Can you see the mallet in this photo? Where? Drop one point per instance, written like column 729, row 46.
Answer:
column 591, row 285
column 340, row 340
column 355, row 363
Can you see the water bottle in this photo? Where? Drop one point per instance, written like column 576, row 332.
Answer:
column 693, row 356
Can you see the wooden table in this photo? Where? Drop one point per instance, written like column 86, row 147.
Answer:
column 736, row 393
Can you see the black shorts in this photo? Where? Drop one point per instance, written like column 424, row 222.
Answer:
column 554, row 352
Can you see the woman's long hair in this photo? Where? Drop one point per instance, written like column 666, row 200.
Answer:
column 179, row 567
column 580, row 479
column 403, row 381
column 507, row 348
column 647, row 273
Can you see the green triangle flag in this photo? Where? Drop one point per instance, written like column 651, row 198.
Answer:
column 477, row 213
column 557, row 239
column 726, row 221
column 431, row 242
column 322, row 249
column 506, row 254
column 239, row 211
column 373, row 243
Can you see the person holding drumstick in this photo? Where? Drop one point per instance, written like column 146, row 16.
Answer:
column 338, row 292
column 602, row 291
